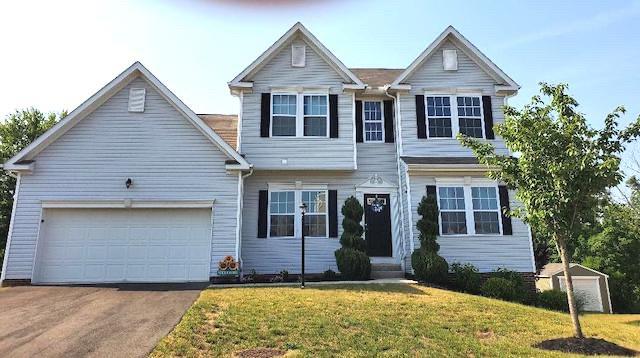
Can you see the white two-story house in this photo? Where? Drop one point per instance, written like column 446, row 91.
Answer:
column 133, row 186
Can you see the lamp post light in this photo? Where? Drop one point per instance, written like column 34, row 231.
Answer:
column 303, row 210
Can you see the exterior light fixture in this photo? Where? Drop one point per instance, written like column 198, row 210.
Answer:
column 128, row 183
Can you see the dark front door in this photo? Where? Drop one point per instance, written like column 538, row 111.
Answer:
column 377, row 219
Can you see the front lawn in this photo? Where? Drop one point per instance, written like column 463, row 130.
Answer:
column 368, row 320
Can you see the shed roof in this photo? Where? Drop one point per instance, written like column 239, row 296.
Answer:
column 551, row 269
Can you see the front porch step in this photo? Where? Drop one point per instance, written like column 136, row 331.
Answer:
column 386, row 267
column 386, row 274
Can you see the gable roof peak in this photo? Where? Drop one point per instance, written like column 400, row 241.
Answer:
column 469, row 49
column 298, row 27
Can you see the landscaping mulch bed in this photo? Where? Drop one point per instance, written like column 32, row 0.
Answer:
column 586, row 346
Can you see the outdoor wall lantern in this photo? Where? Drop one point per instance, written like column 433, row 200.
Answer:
column 128, row 183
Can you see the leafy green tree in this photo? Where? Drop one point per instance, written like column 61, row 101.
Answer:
column 17, row 131
column 563, row 168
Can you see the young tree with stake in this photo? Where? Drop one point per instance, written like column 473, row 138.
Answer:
column 562, row 169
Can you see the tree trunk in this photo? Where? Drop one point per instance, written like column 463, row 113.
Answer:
column 573, row 309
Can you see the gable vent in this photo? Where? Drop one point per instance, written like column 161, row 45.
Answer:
column 298, row 55
column 136, row 99
column 450, row 60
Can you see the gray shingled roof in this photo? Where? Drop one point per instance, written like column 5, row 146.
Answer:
column 377, row 77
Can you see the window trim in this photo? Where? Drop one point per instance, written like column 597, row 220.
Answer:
column 297, row 216
column 466, row 185
column 300, row 116
column 364, row 121
column 455, row 119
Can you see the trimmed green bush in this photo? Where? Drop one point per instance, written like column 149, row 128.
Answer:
column 510, row 275
column 465, row 278
column 555, row 300
column 500, row 288
column 427, row 264
column 352, row 259
column 353, row 264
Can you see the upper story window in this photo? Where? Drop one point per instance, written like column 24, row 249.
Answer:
column 315, row 115
column 373, row 121
column 445, row 120
column 461, row 205
column 285, row 219
column 284, row 115
column 299, row 115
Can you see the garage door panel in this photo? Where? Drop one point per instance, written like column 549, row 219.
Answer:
column 115, row 245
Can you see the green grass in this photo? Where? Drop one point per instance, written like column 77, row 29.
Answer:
column 370, row 320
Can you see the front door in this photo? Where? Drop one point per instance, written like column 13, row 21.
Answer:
column 377, row 219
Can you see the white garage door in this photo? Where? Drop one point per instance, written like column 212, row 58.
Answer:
column 124, row 245
column 586, row 288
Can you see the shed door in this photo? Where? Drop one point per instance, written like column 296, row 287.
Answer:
column 123, row 245
column 588, row 289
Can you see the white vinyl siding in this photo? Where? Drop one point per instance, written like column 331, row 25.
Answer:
column 488, row 252
column 299, row 152
column 432, row 76
column 93, row 160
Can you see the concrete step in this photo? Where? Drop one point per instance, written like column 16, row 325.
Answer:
column 386, row 274
column 386, row 267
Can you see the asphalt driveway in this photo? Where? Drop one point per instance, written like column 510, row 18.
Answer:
column 73, row 321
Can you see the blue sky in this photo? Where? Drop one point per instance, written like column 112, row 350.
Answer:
column 57, row 53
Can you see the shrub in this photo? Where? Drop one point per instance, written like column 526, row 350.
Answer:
column 500, row 288
column 285, row 275
column 465, row 278
column 351, row 259
column 329, row 275
column 510, row 275
column 427, row 264
column 353, row 264
column 557, row 300
column 553, row 300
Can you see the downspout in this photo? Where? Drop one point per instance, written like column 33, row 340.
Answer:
column 398, row 149
column 239, row 216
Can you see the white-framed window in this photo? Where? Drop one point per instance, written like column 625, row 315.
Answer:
column 316, row 218
column 453, row 214
column 282, row 211
column 316, row 113
column 285, row 218
column 486, row 211
column 448, row 115
column 373, row 121
column 283, row 115
column 469, row 208
column 299, row 115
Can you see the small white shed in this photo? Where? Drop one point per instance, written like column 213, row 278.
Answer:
column 590, row 285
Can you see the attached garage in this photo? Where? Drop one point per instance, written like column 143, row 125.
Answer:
column 590, row 286
column 97, row 245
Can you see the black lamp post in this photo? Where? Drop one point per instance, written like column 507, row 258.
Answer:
column 303, row 210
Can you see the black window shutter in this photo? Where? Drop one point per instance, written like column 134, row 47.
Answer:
column 263, row 199
column 431, row 191
column 333, row 213
column 507, row 229
column 488, row 117
column 333, row 116
column 421, row 120
column 359, row 121
column 388, row 122
column 265, row 115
